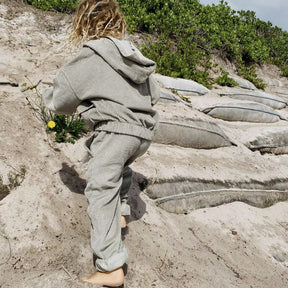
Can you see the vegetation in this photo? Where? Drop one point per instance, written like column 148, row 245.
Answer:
column 225, row 80
column 184, row 34
column 66, row 128
column 57, row 5
column 188, row 33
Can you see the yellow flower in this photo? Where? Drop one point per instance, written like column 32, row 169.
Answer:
column 51, row 124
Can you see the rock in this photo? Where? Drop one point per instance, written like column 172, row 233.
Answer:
column 180, row 84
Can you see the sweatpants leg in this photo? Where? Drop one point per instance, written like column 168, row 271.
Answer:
column 110, row 152
column 126, row 183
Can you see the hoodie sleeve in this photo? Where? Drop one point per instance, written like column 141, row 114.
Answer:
column 60, row 98
column 154, row 89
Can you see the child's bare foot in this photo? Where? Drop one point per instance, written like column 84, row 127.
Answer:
column 123, row 222
column 113, row 279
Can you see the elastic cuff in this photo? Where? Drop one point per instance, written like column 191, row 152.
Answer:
column 125, row 209
column 114, row 262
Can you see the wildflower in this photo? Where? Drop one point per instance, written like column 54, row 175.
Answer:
column 51, row 124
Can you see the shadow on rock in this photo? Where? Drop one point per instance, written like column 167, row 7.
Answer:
column 137, row 205
column 76, row 184
column 71, row 179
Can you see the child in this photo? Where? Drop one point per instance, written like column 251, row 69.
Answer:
column 111, row 86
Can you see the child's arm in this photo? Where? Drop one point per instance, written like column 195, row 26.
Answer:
column 154, row 89
column 60, row 98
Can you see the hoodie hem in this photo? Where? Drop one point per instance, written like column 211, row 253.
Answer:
column 125, row 128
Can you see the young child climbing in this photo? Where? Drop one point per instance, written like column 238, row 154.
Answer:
column 110, row 84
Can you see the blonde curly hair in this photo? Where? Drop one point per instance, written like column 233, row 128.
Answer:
column 95, row 19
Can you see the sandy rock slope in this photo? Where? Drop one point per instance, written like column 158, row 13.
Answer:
column 44, row 229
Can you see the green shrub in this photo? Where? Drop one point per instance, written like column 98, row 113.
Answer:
column 225, row 80
column 187, row 33
column 57, row 5
column 284, row 71
column 249, row 73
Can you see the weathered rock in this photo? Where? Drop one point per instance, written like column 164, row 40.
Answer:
column 243, row 83
column 247, row 112
column 181, row 180
column 270, row 100
column 180, row 84
column 273, row 139
column 191, row 134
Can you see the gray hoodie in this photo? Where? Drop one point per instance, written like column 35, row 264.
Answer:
column 111, row 85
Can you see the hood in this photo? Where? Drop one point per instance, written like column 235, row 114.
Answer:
column 124, row 58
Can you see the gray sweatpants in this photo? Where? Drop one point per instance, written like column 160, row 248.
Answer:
column 108, row 182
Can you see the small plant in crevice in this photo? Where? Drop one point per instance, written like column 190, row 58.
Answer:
column 184, row 98
column 67, row 128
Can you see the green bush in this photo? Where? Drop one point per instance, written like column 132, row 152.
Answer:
column 225, row 80
column 57, row 5
column 250, row 74
column 187, row 33
column 284, row 70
